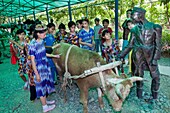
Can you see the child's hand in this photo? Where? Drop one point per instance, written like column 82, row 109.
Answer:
column 38, row 78
column 56, row 56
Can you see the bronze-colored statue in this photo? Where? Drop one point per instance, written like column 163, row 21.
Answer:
column 146, row 44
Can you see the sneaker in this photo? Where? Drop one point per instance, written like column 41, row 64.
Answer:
column 48, row 108
column 50, row 102
column 26, row 85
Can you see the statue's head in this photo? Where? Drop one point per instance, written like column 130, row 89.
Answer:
column 138, row 14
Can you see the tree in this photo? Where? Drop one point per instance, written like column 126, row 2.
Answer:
column 166, row 3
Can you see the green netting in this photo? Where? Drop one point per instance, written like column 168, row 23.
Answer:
column 16, row 8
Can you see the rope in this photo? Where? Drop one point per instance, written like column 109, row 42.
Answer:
column 67, row 74
column 86, row 73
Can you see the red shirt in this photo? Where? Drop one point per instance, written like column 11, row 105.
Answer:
column 109, row 29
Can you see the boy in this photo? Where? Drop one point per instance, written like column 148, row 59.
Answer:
column 96, row 35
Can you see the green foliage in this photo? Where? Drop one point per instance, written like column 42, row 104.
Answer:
column 166, row 37
column 120, row 35
column 164, row 1
column 157, row 12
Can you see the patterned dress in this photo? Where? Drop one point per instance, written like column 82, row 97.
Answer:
column 61, row 37
column 21, row 59
column 46, row 85
column 29, row 69
column 110, row 52
column 73, row 39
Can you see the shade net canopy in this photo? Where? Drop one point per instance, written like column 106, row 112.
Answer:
column 16, row 8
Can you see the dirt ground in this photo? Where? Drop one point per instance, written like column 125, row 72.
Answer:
column 14, row 99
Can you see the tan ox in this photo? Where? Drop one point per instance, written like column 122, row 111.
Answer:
column 116, row 88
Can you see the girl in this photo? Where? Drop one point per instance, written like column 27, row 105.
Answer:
column 72, row 36
column 86, row 36
column 61, row 35
column 49, row 41
column 29, row 65
column 19, row 49
column 110, row 47
column 42, row 73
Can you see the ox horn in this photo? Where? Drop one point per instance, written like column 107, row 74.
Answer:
column 134, row 79
column 118, row 89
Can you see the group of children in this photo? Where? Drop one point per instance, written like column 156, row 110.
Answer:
column 32, row 60
column 35, row 58
column 89, row 38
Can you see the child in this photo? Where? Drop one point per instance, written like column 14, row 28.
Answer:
column 49, row 41
column 79, row 24
column 19, row 49
column 110, row 47
column 96, row 35
column 61, row 35
column 42, row 73
column 105, row 27
column 86, row 36
column 130, row 25
column 72, row 36
column 105, row 23
column 29, row 66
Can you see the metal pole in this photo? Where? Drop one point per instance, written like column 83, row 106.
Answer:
column 116, row 19
column 47, row 14
column 69, row 10
column 34, row 15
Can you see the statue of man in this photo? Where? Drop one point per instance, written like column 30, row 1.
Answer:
column 146, row 44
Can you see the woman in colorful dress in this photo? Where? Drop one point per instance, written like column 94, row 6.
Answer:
column 42, row 74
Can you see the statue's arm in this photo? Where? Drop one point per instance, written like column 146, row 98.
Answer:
column 158, row 30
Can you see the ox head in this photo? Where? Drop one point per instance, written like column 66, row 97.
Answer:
column 118, row 89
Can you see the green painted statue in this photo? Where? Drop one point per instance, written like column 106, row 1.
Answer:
column 145, row 42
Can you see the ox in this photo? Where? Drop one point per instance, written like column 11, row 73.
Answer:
column 115, row 88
